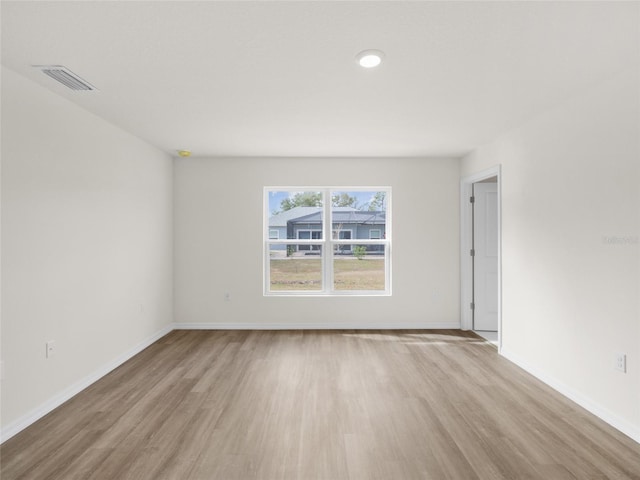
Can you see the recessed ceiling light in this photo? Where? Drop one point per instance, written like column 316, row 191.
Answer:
column 369, row 58
column 184, row 153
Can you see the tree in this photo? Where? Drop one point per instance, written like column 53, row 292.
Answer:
column 359, row 251
column 377, row 202
column 344, row 200
column 302, row 199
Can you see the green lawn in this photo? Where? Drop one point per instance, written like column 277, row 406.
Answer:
column 305, row 274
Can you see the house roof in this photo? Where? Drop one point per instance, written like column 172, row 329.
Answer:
column 281, row 219
column 314, row 215
column 355, row 216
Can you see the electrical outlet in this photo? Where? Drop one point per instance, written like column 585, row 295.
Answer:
column 50, row 348
column 621, row 362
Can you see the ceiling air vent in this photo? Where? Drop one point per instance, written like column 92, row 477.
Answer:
column 66, row 77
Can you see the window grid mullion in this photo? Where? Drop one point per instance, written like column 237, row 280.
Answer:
column 296, row 241
column 326, row 236
column 359, row 241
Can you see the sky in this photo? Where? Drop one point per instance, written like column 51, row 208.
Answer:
column 276, row 197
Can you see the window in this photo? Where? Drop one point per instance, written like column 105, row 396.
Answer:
column 309, row 235
column 343, row 235
column 327, row 241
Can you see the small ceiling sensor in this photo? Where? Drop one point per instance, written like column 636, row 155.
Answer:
column 369, row 58
column 184, row 153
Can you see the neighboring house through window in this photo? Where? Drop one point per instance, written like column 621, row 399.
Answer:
column 302, row 258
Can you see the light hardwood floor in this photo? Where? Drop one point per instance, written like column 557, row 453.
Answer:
column 319, row 405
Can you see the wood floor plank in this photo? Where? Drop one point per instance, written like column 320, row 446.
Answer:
column 203, row 405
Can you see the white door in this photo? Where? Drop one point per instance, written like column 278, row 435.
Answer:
column 485, row 260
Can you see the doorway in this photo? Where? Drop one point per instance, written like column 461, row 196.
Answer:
column 480, row 254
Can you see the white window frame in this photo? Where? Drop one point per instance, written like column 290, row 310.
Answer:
column 375, row 230
column 327, row 243
column 276, row 236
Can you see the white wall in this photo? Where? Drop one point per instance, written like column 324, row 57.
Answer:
column 571, row 220
column 218, row 242
column 86, row 246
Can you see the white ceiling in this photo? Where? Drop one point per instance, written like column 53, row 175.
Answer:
column 279, row 78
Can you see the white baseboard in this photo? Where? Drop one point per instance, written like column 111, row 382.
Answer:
column 36, row 414
column 598, row 410
column 317, row 326
column 31, row 417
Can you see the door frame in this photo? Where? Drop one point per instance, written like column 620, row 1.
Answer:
column 466, row 244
